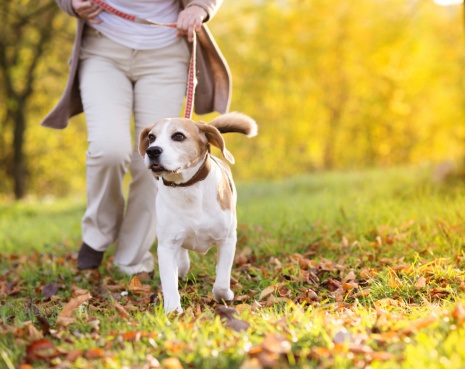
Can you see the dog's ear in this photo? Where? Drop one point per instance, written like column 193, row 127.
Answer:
column 214, row 138
column 144, row 141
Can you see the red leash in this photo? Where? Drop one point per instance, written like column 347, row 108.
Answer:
column 191, row 80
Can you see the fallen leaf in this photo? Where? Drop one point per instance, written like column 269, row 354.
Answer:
column 252, row 363
column 29, row 332
column 50, row 290
column 65, row 316
column 342, row 336
column 132, row 336
column 171, row 363
column 73, row 355
column 41, row 350
column 418, row 324
column 349, row 286
column 228, row 315
column 359, row 349
column 267, row 292
column 135, row 283
column 459, row 314
column 95, row 353
column 276, row 344
column 137, row 287
column 349, row 277
column 381, row 356
column 420, row 283
column 121, row 311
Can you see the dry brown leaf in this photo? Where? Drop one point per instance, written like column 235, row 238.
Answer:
column 267, row 292
column 73, row 355
column 349, row 277
column 65, row 316
column 30, row 332
column 41, row 350
column 394, row 282
column 252, row 363
column 349, row 286
column 420, row 283
column 381, row 356
column 276, row 344
column 135, row 283
column 95, row 353
column 459, row 314
column 64, row 321
column 418, row 324
column 132, row 336
column 121, row 311
column 77, row 291
column 171, row 363
column 368, row 273
column 50, row 290
column 228, row 315
column 73, row 304
column 359, row 349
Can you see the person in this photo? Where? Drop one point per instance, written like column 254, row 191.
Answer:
column 120, row 70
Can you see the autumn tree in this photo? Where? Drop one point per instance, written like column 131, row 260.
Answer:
column 27, row 29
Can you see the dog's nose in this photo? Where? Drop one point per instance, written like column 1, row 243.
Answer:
column 154, row 152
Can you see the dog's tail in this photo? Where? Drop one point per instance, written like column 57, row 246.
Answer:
column 235, row 122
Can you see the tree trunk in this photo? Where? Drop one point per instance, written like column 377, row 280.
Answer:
column 19, row 162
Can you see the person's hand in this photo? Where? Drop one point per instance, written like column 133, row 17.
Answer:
column 86, row 9
column 190, row 20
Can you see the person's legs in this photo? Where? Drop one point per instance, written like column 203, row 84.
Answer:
column 161, row 78
column 107, row 96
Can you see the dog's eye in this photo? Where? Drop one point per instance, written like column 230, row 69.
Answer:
column 178, row 136
column 151, row 138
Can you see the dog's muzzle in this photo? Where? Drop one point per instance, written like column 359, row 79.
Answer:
column 154, row 154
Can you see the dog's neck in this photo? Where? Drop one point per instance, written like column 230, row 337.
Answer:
column 200, row 175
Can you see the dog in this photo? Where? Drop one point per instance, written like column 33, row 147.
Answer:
column 196, row 197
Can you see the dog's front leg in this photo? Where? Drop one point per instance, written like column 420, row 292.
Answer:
column 168, row 266
column 221, row 288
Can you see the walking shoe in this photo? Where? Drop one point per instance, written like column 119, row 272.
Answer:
column 88, row 258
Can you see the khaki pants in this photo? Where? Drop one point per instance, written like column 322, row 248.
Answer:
column 118, row 83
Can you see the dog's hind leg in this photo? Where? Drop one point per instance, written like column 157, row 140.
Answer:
column 226, row 251
column 184, row 263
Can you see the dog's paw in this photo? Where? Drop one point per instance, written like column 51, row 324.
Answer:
column 173, row 310
column 222, row 293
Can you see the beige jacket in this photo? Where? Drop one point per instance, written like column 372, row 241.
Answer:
column 212, row 93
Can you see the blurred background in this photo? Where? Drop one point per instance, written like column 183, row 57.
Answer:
column 333, row 85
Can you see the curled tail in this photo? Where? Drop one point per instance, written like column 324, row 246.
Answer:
column 235, row 122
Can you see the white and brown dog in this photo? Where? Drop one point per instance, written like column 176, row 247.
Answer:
column 196, row 199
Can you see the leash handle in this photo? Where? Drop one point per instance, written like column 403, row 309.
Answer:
column 191, row 79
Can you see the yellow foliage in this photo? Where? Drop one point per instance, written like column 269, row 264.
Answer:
column 332, row 84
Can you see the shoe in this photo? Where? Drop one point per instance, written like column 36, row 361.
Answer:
column 88, row 258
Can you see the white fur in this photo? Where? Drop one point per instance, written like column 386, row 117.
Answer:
column 190, row 218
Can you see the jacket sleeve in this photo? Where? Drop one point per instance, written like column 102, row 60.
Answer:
column 66, row 6
column 210, row 6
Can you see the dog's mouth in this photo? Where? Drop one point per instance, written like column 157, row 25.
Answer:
column 157, row 168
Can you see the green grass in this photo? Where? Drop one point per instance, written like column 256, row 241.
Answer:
column 344, row 252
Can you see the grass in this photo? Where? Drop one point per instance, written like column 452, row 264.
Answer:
column 333, row 270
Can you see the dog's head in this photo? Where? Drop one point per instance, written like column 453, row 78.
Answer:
column 173, row 145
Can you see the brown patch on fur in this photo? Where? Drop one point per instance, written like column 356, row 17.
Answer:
column 224, row 188
column 144, row 140
column 214, row 138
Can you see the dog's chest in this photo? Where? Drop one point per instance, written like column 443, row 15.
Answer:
column 193, row 220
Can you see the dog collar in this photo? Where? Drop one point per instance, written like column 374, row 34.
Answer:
column 201, row 174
